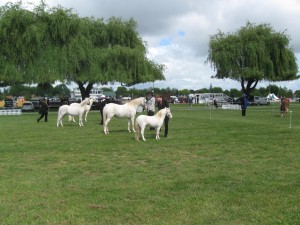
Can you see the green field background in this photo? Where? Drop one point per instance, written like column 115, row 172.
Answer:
column 215, row 167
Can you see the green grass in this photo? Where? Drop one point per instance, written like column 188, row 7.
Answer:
column 216, row 167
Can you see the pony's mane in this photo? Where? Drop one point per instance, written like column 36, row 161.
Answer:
column 135, row 101
column 160, row 113
column 85, row 101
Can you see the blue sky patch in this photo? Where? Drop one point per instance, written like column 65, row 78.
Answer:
column 165, row 41
column 181, row 33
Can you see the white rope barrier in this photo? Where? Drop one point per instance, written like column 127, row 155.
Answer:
column 14, row 112
column 290, row 119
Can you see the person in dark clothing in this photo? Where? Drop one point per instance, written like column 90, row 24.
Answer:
column 161, row 104
column 102, row 103
column 43, row 111
column 215, row 103
column 244, row 104
column 64, row 101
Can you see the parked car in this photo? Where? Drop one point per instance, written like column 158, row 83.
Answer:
column 256, row 100
column 36, row 103
column 28, row 106
column 237, row 101
column 54, row 102
column 8, row 103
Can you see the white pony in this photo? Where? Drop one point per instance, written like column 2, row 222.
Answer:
column 73, row 110
column 87, row 109
column 155, row 121
column 128, row 110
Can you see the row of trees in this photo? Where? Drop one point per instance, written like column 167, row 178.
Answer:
column 279, row 91
column 62, row 90
column 45, row 45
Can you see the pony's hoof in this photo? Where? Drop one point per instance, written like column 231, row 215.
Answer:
column 144, row 139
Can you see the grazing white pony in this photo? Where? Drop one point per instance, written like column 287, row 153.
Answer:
column 128, row 110
column 73, row 110
column 87, row 109
column 155, row 121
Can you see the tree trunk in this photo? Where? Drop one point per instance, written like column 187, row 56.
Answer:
column 85, row 91
column 250, row 86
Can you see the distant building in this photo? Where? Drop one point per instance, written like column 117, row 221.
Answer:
column 110, row 94
column 95, row 92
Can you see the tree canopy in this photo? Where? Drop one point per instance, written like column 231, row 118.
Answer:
column 252, row 54
column 47, row 45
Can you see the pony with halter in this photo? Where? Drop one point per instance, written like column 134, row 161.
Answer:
column 155, row 121
column 128, row 110
column 284, row 106
column 87, row 109
column 73, row 110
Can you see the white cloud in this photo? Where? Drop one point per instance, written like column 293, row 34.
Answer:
column 159, row 24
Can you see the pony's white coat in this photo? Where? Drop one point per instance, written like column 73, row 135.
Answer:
column 73, row 110
column 128, row 110
column 155, row 121
column 87, row 109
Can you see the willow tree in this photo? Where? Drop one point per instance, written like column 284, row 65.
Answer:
column 113, row 52
column 253, row 53
column 47, row 45
column 27, row 52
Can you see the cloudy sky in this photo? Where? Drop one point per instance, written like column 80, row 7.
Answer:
column 177, row 31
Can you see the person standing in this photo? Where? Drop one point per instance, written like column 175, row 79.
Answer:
column 244, row 104
column 150, row 105
column 161, row 104
column 102, row 103
column 43, row 111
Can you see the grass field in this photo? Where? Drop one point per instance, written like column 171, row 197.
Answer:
column 216, row 167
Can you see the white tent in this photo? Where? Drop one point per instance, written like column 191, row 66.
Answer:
column 272, row 97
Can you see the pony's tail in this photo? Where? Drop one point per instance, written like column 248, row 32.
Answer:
column 137, row 130
column 104, row 116
column 58, row 117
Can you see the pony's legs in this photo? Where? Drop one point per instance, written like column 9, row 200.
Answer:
column 86, row 116
column 129, row 120
column 132, row 124
column 142, row 132
column 72, row 119
column 59, row 119
column 80, row 121
column 105, row 125
column 157, row 133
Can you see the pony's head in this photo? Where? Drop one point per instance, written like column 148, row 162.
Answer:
column 93, row 99
column 168, row 113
